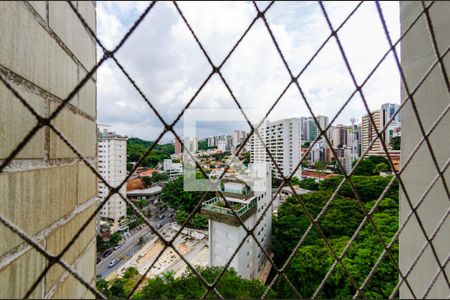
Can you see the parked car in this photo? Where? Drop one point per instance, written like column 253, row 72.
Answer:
column 98, row 259
column 158, row 226
column 119, row 245
column 107, row 253
column 171, row 215
column 113, row 262
column 161, row 216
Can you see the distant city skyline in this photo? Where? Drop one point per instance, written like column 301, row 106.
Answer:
column 169, row 67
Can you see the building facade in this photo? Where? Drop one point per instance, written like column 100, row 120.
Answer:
column 394, row 128
column 309, row 129
column 283, row 139
column 225, row 231
column 172, row 169
column 112, row 165
column 368, row 132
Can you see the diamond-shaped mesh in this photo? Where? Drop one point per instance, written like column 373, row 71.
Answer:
column 280, row 270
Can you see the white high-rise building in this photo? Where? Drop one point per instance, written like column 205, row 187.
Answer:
column 172, row 169
column 250, row 199
column 112, row 165
column 283, row 139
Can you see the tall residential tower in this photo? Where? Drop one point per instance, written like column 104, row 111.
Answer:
column 112, row 165
column 283, row 139
column 250, row 199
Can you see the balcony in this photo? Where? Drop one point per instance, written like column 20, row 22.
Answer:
column 216, row 209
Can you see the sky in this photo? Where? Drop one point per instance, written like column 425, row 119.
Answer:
column 169, row 67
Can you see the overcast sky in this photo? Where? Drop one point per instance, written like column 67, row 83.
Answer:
column 167, row 64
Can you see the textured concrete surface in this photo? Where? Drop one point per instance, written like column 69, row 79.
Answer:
column 20, row 121
column 47, row 190
column 61, row 237
column 85, row 188
column 80, row 131
column 32, row 53
column 431, row 99
column 68, row 27
column 35, row 199
column 17, row 276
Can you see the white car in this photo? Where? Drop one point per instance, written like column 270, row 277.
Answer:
column 119, row 245
column 113, row 262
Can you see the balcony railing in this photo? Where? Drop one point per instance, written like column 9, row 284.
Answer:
column 215, row 211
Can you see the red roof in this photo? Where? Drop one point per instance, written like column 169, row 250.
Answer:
column 147, row 173
column 317, row 174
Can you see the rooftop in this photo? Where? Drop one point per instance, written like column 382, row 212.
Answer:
column 216, row 209
column 150, row 191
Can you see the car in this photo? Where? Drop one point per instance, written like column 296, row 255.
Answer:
column 119, row 245
column 107, row 253
column 171, row 215
column 98, row 259
column 113, row 263
column 158, row 226
column 161, row 216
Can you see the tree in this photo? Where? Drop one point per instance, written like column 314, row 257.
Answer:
column 197, row 221
column 148, row 181
column 309, row 184
column 187, row 286
column 367, row 165
column 312, row 261
column 159, row 176
column 381, row 167
column 295, row 180
column 320, row 167
column 184, row 202
column 395, row 142
column 136, row 148
column 246, row 158
column 368, row 187
column 341, row 219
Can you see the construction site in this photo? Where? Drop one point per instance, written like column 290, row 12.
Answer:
column 192, row 244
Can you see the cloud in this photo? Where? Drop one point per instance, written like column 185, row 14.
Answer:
column 167, row 64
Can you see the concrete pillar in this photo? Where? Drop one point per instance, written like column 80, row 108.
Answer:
column 417, row 55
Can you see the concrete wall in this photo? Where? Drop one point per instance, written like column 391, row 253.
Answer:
column 47, row 190
column 431, row 99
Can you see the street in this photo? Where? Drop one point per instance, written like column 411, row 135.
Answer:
column 130, row 246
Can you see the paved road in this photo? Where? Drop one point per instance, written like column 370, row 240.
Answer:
column 130, row 247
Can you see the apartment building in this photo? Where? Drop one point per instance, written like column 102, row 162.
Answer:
column 394, row 128
column 112, row 165
column 172, row 169
column 283, row 139
column 381, row 118
column 309, row 129
column 249, row 198
column 368, row 132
